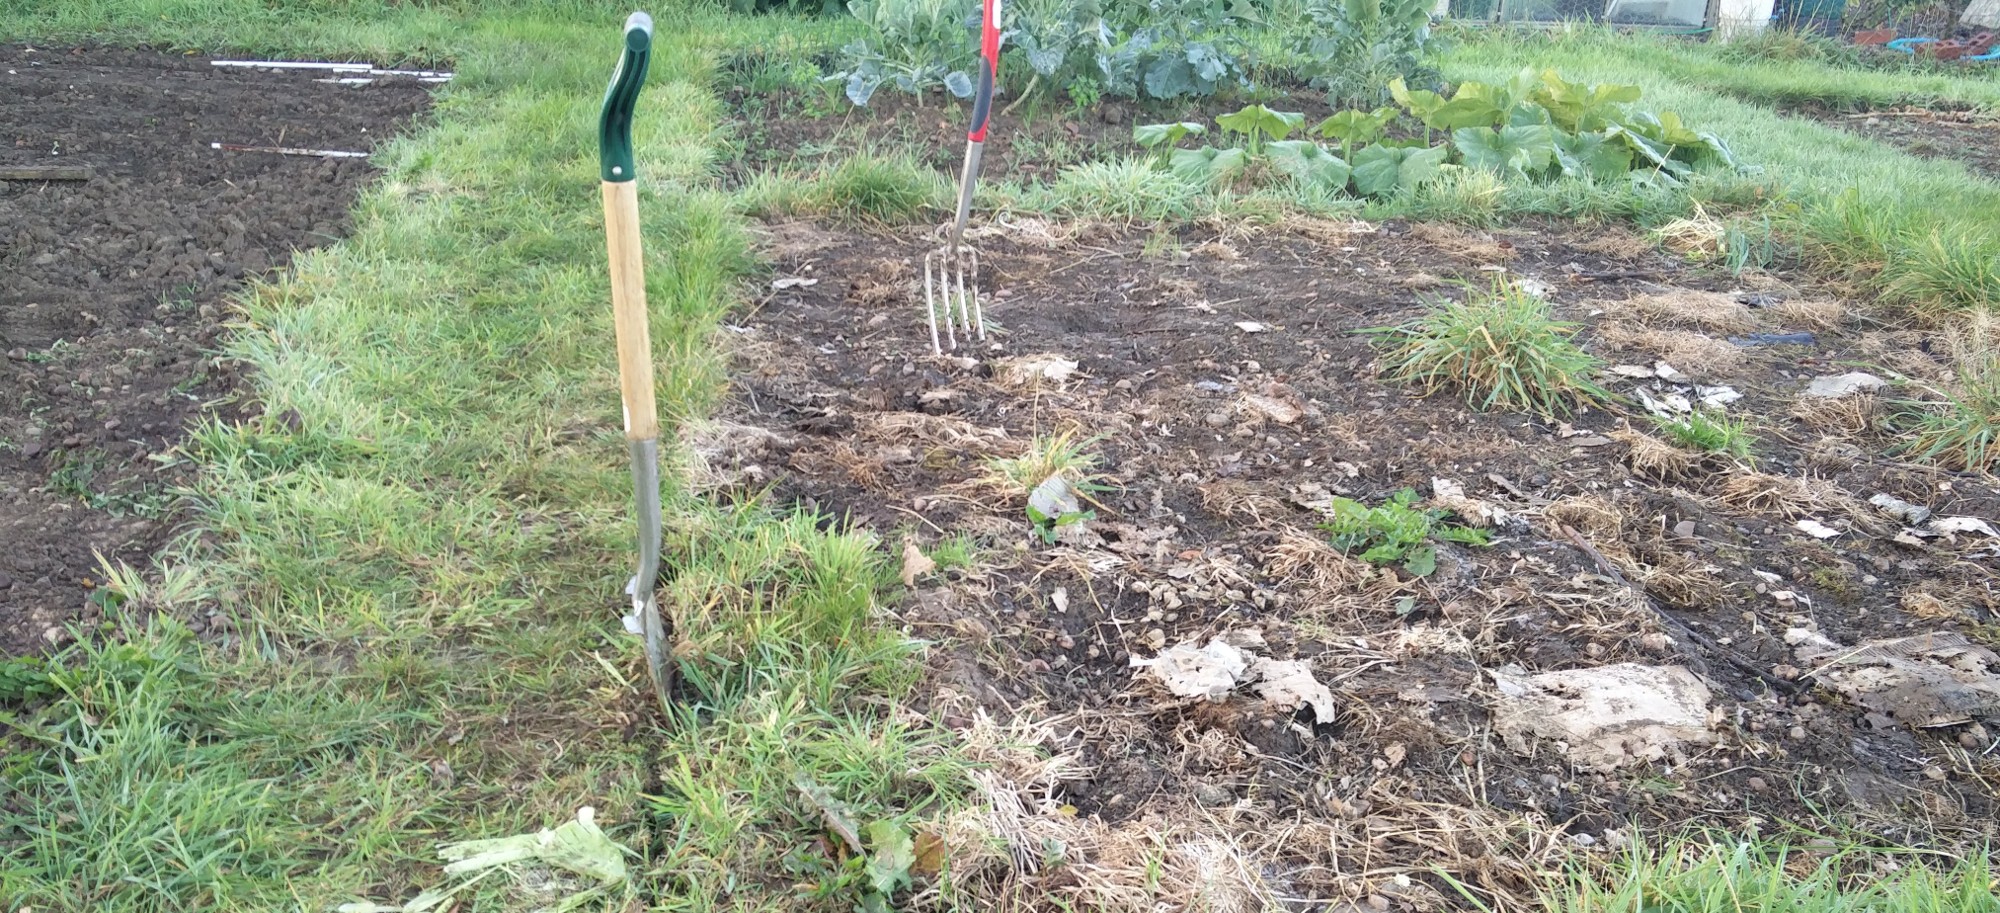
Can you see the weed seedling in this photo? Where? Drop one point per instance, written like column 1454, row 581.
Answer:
column 1057, row 473
column 1396, row 532
column 1709, row 431
column 1502, row 349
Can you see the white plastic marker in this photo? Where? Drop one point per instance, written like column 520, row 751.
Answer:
column 287, row 150
column 366, row 68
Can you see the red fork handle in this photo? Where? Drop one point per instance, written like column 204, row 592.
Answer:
column 989, row 70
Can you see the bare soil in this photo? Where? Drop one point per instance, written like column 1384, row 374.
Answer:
column 1963, row 136
column 117, row 287
column 1220, row 379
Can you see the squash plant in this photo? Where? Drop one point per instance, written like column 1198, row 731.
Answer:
column 1263, row 131
column 1356, row 128
column 1535, row 126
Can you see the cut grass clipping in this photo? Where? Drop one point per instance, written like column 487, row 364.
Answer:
column 1709, row 431
column 1502, row 349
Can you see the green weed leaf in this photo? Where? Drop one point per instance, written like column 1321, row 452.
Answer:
column 1423, row 561
column 1259, row 123
column 891, row 854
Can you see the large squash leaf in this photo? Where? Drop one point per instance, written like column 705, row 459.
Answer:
column 1383, row 168
column 1309, row 163
column 1259, row 123
column 1208, row 164
column 1420, row 103
column 1584, row 108
column 1152, row 135
column 1508, row 150
column 1354, row 128
column 1592, row 155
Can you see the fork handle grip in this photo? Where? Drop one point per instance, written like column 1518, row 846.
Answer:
column 989, row 69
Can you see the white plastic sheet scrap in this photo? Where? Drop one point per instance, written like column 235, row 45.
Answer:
column 577, row 846
column 1213, row 671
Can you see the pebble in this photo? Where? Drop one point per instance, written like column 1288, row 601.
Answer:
column 1215, row 419
column 1757, row 784
column 1797, row 734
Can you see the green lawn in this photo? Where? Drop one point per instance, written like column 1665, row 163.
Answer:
column 427, row 563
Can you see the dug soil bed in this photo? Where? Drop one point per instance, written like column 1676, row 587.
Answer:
column 1962, row 136
column 117, row 286
column 1028, row 145
column 1217, row 375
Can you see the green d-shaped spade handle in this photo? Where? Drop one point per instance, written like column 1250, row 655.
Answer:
column 614, row 123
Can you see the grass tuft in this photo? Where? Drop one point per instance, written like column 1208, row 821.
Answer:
column 1963, row 431
column 1709, row 431
column 863, row 189
column 1502, row 349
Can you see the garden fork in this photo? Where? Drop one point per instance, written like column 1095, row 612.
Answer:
column 951, row 273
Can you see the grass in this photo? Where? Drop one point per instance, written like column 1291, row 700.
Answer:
column 1045, row 457
column 1501, row 350
column 1718, row 874
column 1853, row 207
column 1709, row 431
column 1962, row 431
column 412, row 588
column 410, row 592
column 878, row 189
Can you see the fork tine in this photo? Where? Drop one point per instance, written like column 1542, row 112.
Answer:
column 978, row 317
column 964, row 317
column 930, row 303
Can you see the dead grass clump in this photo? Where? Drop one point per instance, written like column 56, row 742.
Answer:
column 1651, row 457
column 1813, row 314
column 1325, row 231
column 1689, row 308
column 931, row 432
column 1595, row 516
column 1312, row 560
column 1699, row 236
column 1216, row 250
column 886, row 282
column 1022, row 847
column 1695, row 354
column 1178, row 288
column 1476, row 246
column 1786, row 496
column 1239, row 500
column 1842, row 415
column 1668, row 572
column 1616, row 243
column 718, row 454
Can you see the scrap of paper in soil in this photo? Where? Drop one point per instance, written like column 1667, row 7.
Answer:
column 1926, row 680
column 1607, row 717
